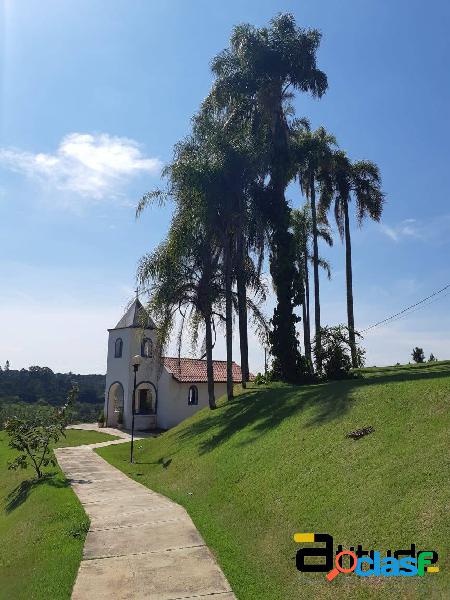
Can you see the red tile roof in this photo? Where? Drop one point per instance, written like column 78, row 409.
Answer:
column 193, row 370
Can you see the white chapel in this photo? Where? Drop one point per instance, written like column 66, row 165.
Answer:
column 166, row 393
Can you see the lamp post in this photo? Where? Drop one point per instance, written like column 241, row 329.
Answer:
column 136, row 364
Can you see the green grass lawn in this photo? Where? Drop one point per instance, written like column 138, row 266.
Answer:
column 276, row 461
column 42, row 527
column 78, row 437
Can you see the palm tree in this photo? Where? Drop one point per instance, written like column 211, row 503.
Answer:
column 362, row 181
column 303, row 232
column 182, row 276
column 230, row 147
column 226, row 163
column 255, row 77
column 314, row 152
column 208, row 173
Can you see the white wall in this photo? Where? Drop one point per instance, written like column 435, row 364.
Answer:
column 173, row 399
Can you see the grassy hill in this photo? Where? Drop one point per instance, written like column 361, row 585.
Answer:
column 276, row 461
column 42, row 527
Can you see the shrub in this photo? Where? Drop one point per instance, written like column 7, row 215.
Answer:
column 260, row 379
column 263, row 379
column 336, row 353
column 304, row 371
column 432, row 358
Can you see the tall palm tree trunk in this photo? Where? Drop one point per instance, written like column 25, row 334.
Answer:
column 229, row 315
column 242, row 307
column 316, row 275
column 284, row 344
column 209, row 360
column 306, row 319
column 349, row 281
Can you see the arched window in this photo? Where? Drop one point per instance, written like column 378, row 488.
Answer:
column 193, row 396
column 144, row 402
column 147, row 348
column 118, row 348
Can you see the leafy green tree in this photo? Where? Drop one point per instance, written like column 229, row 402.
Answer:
column 32, row 437
column 432, row 358
column 359, row 180
column 254, row 79
column 418, row 355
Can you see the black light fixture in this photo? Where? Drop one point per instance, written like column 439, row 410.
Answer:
column 136, row 364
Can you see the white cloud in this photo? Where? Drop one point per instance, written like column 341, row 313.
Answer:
column 435, row 229
column 92, row 166
column 406, row 228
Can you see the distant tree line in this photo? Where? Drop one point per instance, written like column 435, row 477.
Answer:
column 24, row 391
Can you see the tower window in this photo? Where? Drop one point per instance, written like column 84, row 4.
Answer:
column 193, row 396
column 118, row 348
column 147, row 348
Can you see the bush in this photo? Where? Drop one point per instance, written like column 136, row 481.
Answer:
column 261, row 379
column 336, row 352
column 432, row 358
column 304, row 371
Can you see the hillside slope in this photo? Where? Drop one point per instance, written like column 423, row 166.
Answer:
column 42, row 527
column 276, row 461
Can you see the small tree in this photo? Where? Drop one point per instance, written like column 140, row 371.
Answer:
column 418, row 355
column 432, row 358
column 33, row 436
column 336, row 352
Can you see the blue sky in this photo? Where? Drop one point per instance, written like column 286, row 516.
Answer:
column 94, row 95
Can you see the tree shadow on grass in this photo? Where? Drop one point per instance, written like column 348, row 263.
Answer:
column 21, row 492
column 263, row 409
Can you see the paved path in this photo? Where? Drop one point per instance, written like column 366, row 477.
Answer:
column 140, row 544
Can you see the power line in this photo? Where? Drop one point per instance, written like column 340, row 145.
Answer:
column 392, row 317
column 419, row 308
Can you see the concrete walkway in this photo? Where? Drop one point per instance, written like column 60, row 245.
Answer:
column 140, row 544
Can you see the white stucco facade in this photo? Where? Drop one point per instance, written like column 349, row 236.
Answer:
column 162, row 396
